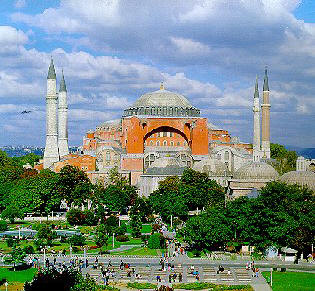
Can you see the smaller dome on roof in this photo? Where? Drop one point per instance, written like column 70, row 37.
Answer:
column 256, row 171
column 212, row 167
column 165, row 166
column 303, row 178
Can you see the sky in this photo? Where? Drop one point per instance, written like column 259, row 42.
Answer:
column 112, row 52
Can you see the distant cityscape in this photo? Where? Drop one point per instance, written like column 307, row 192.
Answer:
column 21, row 150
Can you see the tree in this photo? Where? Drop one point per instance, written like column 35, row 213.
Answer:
column 77, row 240
column 208, row 230
column 136, row 225
column 74, row 185
column 11, row 212
column 102, row 235
column 16, row 257
column 45, row 235
column 141, row 207
column 285, row 160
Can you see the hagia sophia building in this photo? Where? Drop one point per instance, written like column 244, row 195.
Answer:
column 160, row 135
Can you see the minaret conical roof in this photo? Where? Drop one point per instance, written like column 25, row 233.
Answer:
column 51, row 70
column 256, row 94
column 266, row 85
column 63, row 87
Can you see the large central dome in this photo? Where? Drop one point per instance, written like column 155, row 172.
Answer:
column 162, row 103
column 162, row 97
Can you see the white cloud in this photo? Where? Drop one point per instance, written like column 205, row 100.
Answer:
column 20, row 4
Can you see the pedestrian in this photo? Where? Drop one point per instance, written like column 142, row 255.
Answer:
column 180, row 277
column 257, row 272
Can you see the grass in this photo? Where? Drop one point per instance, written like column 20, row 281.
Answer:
column 286, row 281
column 139, row 251
column 212, row 286
column 146, row 228
column 17, row 276
column 140, row 286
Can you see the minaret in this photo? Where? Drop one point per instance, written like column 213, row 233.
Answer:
column 265, row 108
column 51, row 153
column 63, row 119
column 256, row 133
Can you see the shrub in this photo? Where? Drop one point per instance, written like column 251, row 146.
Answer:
column 137, row 285
column 11, row 242
column 76, row 240
column 121, row 230
column 156, row 241
column 155, row 227
column 112, row 221
column 28, row 249
column 3, row 225
column 75, row 217
column 86, row 229
column 122, row 238
column 89, row 218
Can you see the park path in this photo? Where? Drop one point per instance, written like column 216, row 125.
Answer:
column 260, row 284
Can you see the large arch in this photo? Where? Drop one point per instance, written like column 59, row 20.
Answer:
column 165, row 129
column 136, row 130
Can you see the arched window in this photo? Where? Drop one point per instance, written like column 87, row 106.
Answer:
column 171, row 134
column 172, row 144
column 158, row 143
column 165, row 143
column 226, row 155
column 108, row 156
column 164, row 134
column 185, row 143
column 151, row 143
column 178, row 144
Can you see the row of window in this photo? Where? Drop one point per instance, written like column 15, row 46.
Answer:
column 165, row 143
column 226, row 156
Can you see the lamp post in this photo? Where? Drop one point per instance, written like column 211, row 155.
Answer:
column 44, row 256
column 113, row 240
column 6, row 286
column 85, row 256
column 70, row 251
column 271, row 277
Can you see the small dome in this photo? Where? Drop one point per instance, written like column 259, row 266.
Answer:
column 165, row 166
column 212, row 167
column 256, row 171
column 303, row 178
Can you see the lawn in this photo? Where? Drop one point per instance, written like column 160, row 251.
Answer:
column 17, row 276
column 137, row 251
column 146, row 228
column 287, row 281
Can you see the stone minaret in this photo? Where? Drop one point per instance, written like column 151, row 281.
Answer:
column 256, row 132
column 265, row 108
column 63, row 119
column 51, row 153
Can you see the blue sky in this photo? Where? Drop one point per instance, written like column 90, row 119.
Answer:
column 114, row 51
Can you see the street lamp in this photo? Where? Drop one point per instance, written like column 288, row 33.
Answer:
column 6, row 286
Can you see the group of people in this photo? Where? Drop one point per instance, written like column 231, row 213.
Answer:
column 251, row 266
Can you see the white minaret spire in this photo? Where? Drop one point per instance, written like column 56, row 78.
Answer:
column 63, row 119
column 265, row 120
column 256, row 132
column 51, row 154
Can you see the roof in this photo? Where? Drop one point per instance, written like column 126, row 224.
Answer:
column 168, row 166
column 63, row 87
column 256, row 171
column 51, row 70
column 212, row 167
column 303, row 178
column 162, row 97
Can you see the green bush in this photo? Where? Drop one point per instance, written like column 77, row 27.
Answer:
column 156, row 241
column 12, row 242
column 122, row 238
column 89, row 218
column 76, row 240
column 211, row 286
column 121, row 230
column 75, row 217
column 3, row 225
column 28, row 249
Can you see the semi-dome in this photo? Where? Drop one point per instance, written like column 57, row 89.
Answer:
column 212, row 167
column 165, row 166
column 303, row 178
column 256, row 171
column 162, row 103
